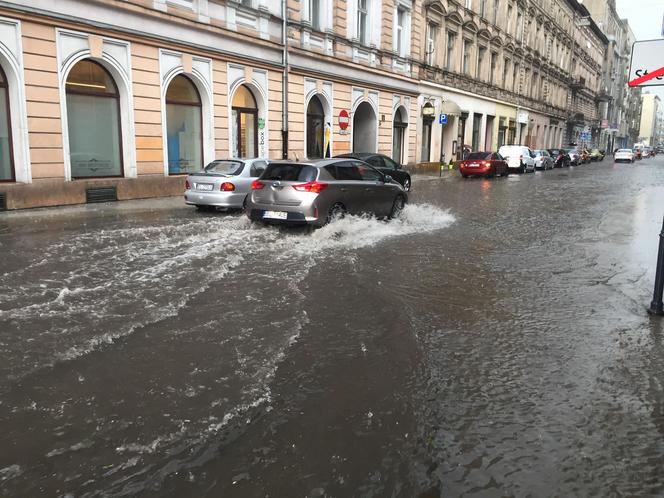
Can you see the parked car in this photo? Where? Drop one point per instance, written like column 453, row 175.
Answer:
column 519, row 158
column 646, row 151
column 385, row 165
column 543, row 159
column 487, row 164
column 561, row 158
column 224, row 183
column 316, row 192
column 574, row 156
column 596, row 155
column 624, row 155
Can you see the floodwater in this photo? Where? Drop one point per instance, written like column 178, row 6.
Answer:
column 493, row 341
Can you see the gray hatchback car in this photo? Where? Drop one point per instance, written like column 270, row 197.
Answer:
column 315, row 192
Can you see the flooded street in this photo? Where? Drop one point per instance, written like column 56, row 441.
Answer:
column 493, row 341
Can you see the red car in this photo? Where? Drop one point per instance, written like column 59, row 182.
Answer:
column 487, row 164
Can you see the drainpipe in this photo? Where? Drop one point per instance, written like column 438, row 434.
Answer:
column 284, row 89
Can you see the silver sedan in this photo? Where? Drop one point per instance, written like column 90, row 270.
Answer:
column 224, row 183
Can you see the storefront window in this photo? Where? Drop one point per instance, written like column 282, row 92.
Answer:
column 6, row 156
column 184, row 137
column 93, row 117
column 315, row 129
column 245, row 123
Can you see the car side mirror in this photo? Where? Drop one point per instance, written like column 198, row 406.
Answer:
column 387, row 179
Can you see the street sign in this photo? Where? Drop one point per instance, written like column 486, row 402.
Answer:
column 442, row 119
column 647, row 65
column 343, row 119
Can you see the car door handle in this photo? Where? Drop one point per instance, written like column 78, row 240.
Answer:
column 343, row 189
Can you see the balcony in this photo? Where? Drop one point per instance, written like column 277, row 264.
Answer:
column 577, row 83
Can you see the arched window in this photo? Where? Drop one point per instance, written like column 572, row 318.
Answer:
column 184, row 123
column 6, row 154
column 245, row 123
column 364, row 128
column 398, row 134
column 315, row 129
column 93, row 122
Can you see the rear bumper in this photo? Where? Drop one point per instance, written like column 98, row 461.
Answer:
column 295, row 215
column 219, row 199
column 479, row 171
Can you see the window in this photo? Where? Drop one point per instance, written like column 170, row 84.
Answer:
column 400, row 32
column 362, row 20
column 183, row 124
column 245, row 123
column 315, row 129
column 506, row 64
column 467, row 45
column 483, row 8
column 93, row 122
column 515, row 76
column 6, row 154
column 494, row 63
column 314, row 14
column 257, row 169
column 519, row 27
column 449, row 61
column 398, row 135
column 469, row 4
column 368, row 174
column 481, row 55
column 477, row 124
column 432, row 36
column 510, row 9
column 496, row 9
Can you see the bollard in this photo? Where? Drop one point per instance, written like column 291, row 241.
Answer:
column 657, row 307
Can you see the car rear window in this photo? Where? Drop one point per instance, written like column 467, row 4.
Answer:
column 225, row 167
column 290, row 173
column 625, row 150
column 475, row 156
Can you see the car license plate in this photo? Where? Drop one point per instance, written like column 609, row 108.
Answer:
column 276, row 215
column 473, row 165
column 204, row 186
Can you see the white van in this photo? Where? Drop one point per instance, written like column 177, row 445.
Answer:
column 520, row 159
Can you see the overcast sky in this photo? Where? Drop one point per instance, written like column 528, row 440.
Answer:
column 645, row 18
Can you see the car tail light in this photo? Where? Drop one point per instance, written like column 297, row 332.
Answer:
column 186, row 185
column 227, row 187
column 257, row 185
column 315, row 187
column 486, row 163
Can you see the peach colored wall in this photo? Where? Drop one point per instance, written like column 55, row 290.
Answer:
column 220, row 82
column 274, row 114
column 296, row 117
column 43, row 101
column 342, row 96
column 147, row 109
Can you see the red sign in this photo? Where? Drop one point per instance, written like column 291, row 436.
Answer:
column 605, row 123
column 344, row 119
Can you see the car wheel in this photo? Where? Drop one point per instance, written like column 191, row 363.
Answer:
column 522, row 169
column 337, row 211
column 397, row 206
column 464, row 175
column 406, row 184
column 202, row 208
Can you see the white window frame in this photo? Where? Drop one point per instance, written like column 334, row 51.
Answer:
column 401, row 34
column 367, row 22
column 449, row 51
column 430, row 50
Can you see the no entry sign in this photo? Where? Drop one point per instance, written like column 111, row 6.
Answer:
column 647, row 65
column 343, row 119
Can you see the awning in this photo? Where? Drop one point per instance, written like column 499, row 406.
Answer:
column 450, row 107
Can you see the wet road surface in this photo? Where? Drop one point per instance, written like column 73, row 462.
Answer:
column 491, row 342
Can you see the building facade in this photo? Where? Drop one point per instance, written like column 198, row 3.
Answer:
column 651, row 108
column 129, row 96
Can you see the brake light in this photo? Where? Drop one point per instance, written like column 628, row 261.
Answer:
column 257, row 185
column 486, row 163
column 186, row 185
column 315, row 187
column 227, row 187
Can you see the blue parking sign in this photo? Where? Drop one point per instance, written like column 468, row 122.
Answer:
column 442, row 119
